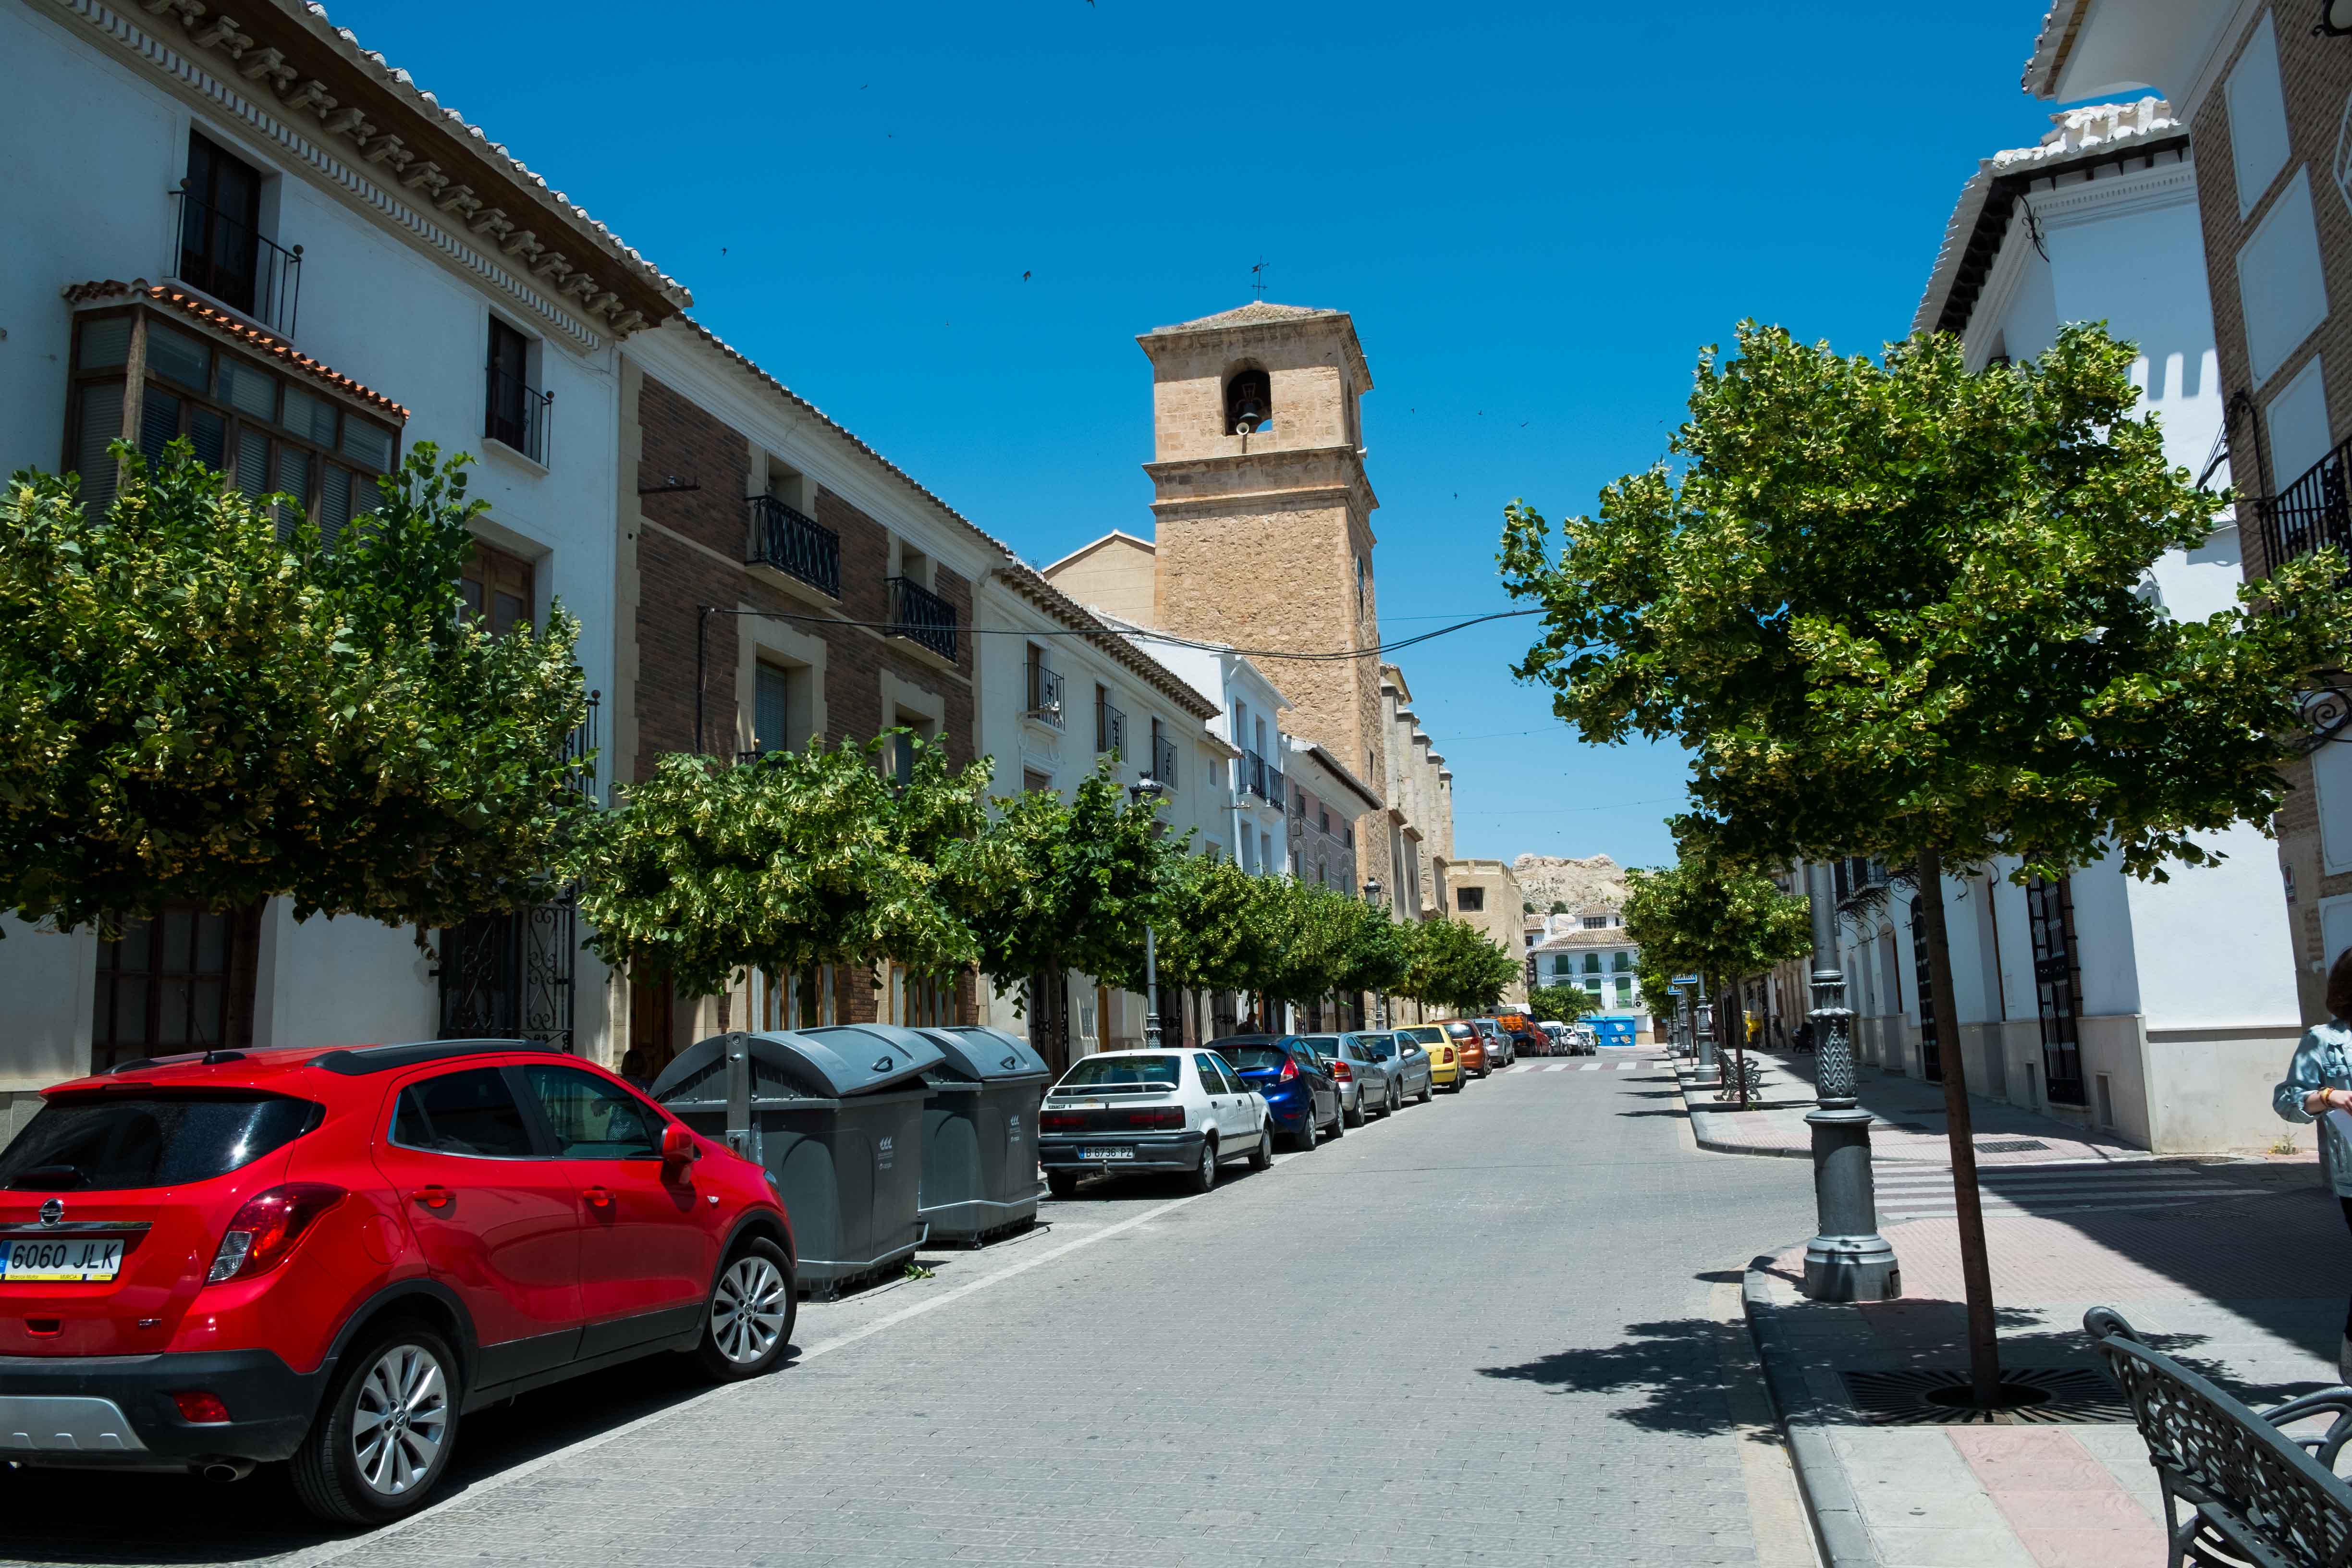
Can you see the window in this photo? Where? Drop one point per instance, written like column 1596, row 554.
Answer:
column 516, row 412
column 1249, row 402
column 591, row 1118
column 2259, row 147
column 220, row 225
column 268, row 434
column 1592, row 963
column 1470, row 901
column 471, row 1112
column 180, row 982
column 2049, row 914
column 496, row 588
column 1156, row 1072
column 1110, row 725
column 2281, row 286
column 1360, row 576
column 772, row 706
column 1323, row 814
column 117, row 1142
column 1032, row 781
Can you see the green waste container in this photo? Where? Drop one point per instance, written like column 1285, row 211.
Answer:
column 839, row 1124
column 980, row 1134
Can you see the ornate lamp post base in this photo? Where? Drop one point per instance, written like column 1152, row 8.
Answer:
column 1849, row 1261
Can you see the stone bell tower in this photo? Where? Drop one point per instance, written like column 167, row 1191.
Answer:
column 1265, row 535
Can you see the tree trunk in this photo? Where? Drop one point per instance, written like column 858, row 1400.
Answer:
column 1976, row 1268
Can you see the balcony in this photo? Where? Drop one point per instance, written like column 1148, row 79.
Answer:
column 2309, row 515
column 1110, row 729
column 1262, row 779
column 220, row 255
column 789, row 540
column 1045, row 696
column 922, row 617
column 580, row 752
column 517, row 414
column 1164, row 760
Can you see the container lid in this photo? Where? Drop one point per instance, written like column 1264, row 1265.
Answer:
column 817, row 1064
column 978, row 1052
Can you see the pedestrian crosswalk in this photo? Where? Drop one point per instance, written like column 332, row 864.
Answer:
column 1915, row 1192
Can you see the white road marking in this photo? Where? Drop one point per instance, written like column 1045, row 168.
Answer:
column 1559, row 1067
column 1629, row 1067
column 1590, row 1067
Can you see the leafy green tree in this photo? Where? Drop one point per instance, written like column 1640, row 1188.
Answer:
column 798, row 859
column 1901, row 609
column 1701, row 916
column 1052, row 885
column 1560, row 906
column 1211, row 926
column 1456, row 966
column 191, row 709
column 1558, row 1003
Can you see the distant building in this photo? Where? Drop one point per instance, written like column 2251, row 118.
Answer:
column 1487, row 896
column 1590, row 948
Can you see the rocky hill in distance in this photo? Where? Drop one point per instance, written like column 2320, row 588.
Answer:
column 1546, row 879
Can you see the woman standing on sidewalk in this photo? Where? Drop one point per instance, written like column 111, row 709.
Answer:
column 2318, row 1080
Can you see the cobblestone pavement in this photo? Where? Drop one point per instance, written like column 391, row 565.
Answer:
column 1485, row 1331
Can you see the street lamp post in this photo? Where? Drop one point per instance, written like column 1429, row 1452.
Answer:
column 1150, row 789
column 1848, row 1260
column 1379, row 998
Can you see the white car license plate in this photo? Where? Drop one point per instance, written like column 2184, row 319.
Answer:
column 92, row 1259
column 1106, row 1153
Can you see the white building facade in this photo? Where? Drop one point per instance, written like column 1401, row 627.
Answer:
column 253, row 234
column 2159, row 1012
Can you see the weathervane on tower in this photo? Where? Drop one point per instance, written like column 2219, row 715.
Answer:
column 1257, row 277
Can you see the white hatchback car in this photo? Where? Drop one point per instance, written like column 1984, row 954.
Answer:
column 1151, row 1110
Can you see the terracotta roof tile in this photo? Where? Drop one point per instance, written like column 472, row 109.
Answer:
column 221, row 321
column 1254, row 313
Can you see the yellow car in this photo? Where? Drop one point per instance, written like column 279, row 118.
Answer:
column 1444, row 1061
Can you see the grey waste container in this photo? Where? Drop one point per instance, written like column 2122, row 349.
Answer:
column 838, row 1122
column 980, row 1134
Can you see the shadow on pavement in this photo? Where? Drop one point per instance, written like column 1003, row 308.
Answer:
column 1676, row 1367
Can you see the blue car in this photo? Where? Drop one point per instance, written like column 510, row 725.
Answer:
column 1296, row 1086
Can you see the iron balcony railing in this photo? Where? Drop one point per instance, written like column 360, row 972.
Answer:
column 1164, row 760
column 516, row 412
column 1044, row 695
column 922, row 617
column 1262, row 779
column 1110, row 728
column 2310, row 514
column 794, row 543
column 234, row 263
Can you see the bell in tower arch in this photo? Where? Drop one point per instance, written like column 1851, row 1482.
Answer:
column 1249, row 402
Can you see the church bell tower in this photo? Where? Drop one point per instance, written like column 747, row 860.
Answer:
column 1264, row 536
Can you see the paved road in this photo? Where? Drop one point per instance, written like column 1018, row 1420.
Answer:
column 1485, row 1331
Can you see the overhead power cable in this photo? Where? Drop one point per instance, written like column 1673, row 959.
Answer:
column 1144, row 632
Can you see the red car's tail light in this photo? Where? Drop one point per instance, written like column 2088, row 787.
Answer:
column 1163, row 1116
column 266, row 1229
column 1061, row 1121
column 199, row 1408
column 1342, row 1071
column 1290, row 1069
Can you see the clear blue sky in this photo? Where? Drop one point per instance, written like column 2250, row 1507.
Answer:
column 1536, row 212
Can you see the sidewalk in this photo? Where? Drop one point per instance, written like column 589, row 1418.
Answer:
column 1908, row 1119
column 2247, row 1286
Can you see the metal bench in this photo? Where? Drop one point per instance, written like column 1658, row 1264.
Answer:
column 1743, row 1078
column 2255, row 1495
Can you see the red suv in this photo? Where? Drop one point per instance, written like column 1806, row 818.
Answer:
column 329, row 1256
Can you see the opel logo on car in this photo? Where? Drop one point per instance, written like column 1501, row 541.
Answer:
column 53, row 1211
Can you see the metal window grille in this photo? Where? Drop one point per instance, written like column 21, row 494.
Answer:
column 2057, row 984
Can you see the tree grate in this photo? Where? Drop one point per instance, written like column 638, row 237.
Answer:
column 2045, row 1397
column 2011, row 1146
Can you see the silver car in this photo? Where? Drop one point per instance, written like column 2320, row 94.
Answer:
column 1410, row 1063
column 1368, row 1085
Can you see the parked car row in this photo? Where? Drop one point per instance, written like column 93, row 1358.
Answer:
column 1190, row 1110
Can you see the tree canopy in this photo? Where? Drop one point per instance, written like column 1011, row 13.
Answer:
column 796, row 859
column 1902, row 606
column 1559, row 1004
column 191, row 708
column 1702, row 916
column 1051, row 884
column 1457, row 966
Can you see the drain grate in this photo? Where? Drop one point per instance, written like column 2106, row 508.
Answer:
column 2011, row 1146
column 2046, row 1396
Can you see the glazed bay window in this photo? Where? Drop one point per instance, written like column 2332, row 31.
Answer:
column 315, row 437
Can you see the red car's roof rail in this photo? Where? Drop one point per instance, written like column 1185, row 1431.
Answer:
column 354, row 1061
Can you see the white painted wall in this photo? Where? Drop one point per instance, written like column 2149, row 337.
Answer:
column 93, row 137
